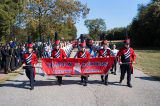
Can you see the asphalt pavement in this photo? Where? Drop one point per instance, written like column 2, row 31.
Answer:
column 145, row 91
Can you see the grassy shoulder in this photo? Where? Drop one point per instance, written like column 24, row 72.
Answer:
column 149, row 62
column 9, row 76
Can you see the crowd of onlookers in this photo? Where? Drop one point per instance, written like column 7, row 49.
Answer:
column 11, row 54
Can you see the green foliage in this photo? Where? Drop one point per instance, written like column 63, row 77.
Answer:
column 40, row 18
column 4, row 22
column 49, row 16
column 95, row 27
column 145, row 28
column 117, row 34
column 8, row 12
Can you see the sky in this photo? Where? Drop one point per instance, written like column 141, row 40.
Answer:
column 116, row 13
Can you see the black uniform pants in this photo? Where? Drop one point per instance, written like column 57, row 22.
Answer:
column 125, row 68
column 30, row 75
column 84, row 79
column 104, row 78
column 59, row 79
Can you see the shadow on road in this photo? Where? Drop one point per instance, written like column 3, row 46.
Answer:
column 153, row 78
column 11, row 84
column 116, row 83
column 24, row 84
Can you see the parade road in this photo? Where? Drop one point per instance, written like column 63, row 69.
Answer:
column 145, row 91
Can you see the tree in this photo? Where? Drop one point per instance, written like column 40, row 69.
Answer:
column 145, row 28
column 95, row 27
column 120, row 33
column 4, row 23
column 40, row 18
column 8, row 12
column 51, row 16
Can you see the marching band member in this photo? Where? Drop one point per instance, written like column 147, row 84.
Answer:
column 104, row 52
column 57, row 52
column 126, row 58
column 30, row 59
column 82, row 53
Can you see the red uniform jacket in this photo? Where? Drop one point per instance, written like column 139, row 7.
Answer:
column 58, row 53
column 104, row 53
column 126, row 56
column 81, row 54
column 33, row 60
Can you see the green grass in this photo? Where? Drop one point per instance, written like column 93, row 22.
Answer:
column 149, row 62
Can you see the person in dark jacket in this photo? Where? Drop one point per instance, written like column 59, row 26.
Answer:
column 5, row 59
column 17, row 57
column 12, row 59
column 0, row 58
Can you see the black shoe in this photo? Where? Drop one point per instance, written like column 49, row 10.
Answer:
column 5, row 72
column 115, row 74
column 102, row 81
column 129, row 85
column 32, row 88
column 120, row 81
column 59, row 83
column 85, row 84
column 105, row 83
column 81, row 81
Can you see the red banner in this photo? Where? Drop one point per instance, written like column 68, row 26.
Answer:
column 73, row 66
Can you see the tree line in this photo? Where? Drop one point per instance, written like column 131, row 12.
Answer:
column 40, row 18
column 144, row 30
